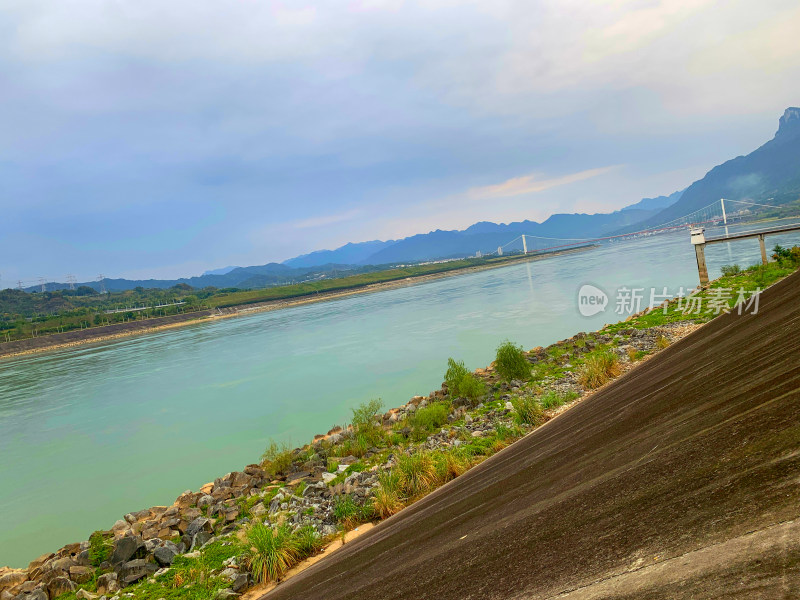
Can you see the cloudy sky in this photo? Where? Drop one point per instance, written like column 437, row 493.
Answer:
column 147, row 138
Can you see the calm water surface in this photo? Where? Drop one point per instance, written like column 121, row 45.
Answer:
column 91, row 433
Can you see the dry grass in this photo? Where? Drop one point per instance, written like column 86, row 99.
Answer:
column 599, row 368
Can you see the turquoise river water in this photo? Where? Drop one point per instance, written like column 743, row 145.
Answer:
column 90, row 433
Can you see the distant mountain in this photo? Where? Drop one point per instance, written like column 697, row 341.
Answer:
column 484, row 236
column 352, row 254
column 240, row 277
column 659, row 203
column 222, row 271
column 771, row 172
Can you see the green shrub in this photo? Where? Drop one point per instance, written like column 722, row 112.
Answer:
column 364, row 414
column 277, row 458
column 101, row 544
column 510, row 362
column 269, row 552
column 455, row 372
column 461, row 383
column 527, row 410
column 730, row 270
column 429, row 418
column 600, row 367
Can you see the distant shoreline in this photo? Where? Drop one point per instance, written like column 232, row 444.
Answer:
column 61, row 341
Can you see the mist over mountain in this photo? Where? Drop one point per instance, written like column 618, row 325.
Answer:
column 484, row 236
column 769, row 173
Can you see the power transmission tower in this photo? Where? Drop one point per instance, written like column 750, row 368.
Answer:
column 101, row 279
column 19, row 284
column 43, row 283
column 71, row 281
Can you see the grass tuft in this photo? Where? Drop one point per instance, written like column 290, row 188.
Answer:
column 599, row 368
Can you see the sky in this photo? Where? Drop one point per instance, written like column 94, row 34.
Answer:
column 159, row 139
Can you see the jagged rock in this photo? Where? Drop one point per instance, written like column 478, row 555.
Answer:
column 199, row 524
column 80, row 574
column 38, row 562
column 134, row 570
column 120, row 525
column 84, row 595
column 60, row 564
column 58, row 586
column 127, row 548
column 12, row 579
column 205, row 500
column 165, row 555
column 107, row 583
column 37, row 594
column 240, row 582
column 200, row 540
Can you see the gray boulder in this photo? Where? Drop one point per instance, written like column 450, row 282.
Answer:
column 200, row 539
column 134, row 570
column 198, row 525
column 165, row 555
column 240, row 582
column 126, row 549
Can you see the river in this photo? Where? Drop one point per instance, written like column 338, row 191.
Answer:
column 90, row 433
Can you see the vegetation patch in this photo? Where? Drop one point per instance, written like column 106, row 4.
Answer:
column 510, row 362
column 599, row 368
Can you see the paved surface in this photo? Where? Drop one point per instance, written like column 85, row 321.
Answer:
column 679, row 480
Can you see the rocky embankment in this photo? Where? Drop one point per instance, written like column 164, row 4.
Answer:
column 309, row 488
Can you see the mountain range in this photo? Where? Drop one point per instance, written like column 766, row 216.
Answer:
column 771, row 173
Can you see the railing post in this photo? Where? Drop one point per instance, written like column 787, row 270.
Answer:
column 763, row 248
column 702, row 270
column 699, row 243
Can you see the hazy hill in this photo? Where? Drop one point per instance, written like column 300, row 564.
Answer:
column 771, row 172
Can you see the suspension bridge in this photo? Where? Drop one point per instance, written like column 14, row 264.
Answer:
column 719, row 213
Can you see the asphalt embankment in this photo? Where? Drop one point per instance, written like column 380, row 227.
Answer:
column 679, row 480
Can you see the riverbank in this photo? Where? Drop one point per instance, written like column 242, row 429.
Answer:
column 347, row 475
column 71, row 339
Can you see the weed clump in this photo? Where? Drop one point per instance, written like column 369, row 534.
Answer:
column 553, row 399
column 527, row 410
column 598, row 369
column 277, row 458
column 461, row 383
column 510, row 362
column 350, row 513
column 730, row 270
column 429, row 418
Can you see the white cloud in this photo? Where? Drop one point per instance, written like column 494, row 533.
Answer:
column 530, row 184
column 324, row 220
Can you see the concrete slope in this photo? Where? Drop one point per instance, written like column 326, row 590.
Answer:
column 679, row 480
